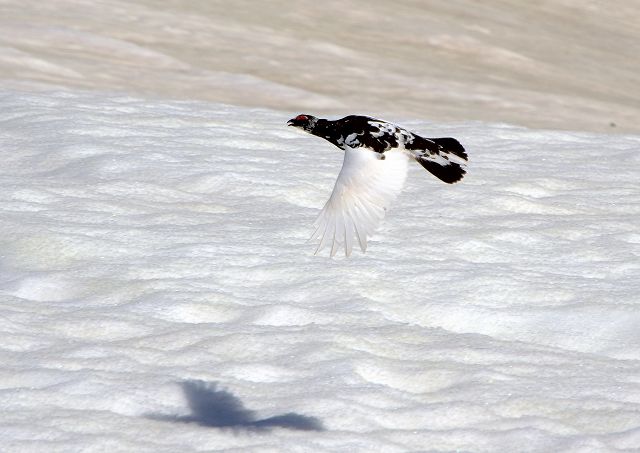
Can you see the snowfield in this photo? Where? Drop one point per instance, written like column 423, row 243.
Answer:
column 158, row 293
column 564, row 64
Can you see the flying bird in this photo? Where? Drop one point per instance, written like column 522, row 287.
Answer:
column 376, row 156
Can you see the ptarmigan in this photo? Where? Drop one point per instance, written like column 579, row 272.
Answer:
column 373, row 172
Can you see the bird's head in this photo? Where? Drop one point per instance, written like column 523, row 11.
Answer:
column 304, row 122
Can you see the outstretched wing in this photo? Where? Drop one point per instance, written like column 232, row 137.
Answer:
column 365, row 188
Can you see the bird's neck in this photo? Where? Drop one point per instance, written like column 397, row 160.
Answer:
column 328, row 130
column 319, row 126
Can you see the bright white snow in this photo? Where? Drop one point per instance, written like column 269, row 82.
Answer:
column 158, row 293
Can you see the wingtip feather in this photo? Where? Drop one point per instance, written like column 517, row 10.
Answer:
column 363, row 191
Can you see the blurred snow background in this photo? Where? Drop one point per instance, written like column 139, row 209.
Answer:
column 563, row 64
column 156, row 290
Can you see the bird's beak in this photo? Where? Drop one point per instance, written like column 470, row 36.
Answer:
column 290, row 123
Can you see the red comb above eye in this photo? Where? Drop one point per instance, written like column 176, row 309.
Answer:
column 301, row 118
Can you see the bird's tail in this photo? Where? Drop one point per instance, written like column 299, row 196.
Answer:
column 446, row 161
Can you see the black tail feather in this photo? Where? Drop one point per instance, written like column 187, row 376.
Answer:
column 448, row 162
column 451, row 145
column 448, row 173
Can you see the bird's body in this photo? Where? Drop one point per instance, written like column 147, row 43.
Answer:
column 373, row 173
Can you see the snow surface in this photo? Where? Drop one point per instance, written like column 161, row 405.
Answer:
column 158, row 294
column 562, row 64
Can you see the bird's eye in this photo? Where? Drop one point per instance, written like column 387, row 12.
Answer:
column 301, row 118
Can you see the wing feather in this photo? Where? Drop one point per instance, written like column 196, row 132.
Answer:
column 363, row 192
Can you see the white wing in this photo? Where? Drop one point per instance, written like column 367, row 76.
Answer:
column 365, row 188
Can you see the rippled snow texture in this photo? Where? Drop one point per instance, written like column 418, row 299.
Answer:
column 151, row 248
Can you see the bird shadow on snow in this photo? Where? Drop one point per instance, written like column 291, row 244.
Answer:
column 220, row 409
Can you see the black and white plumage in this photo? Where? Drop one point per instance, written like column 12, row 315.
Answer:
column 373, row 173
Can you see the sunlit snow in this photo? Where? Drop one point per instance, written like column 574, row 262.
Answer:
column 158, row 293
